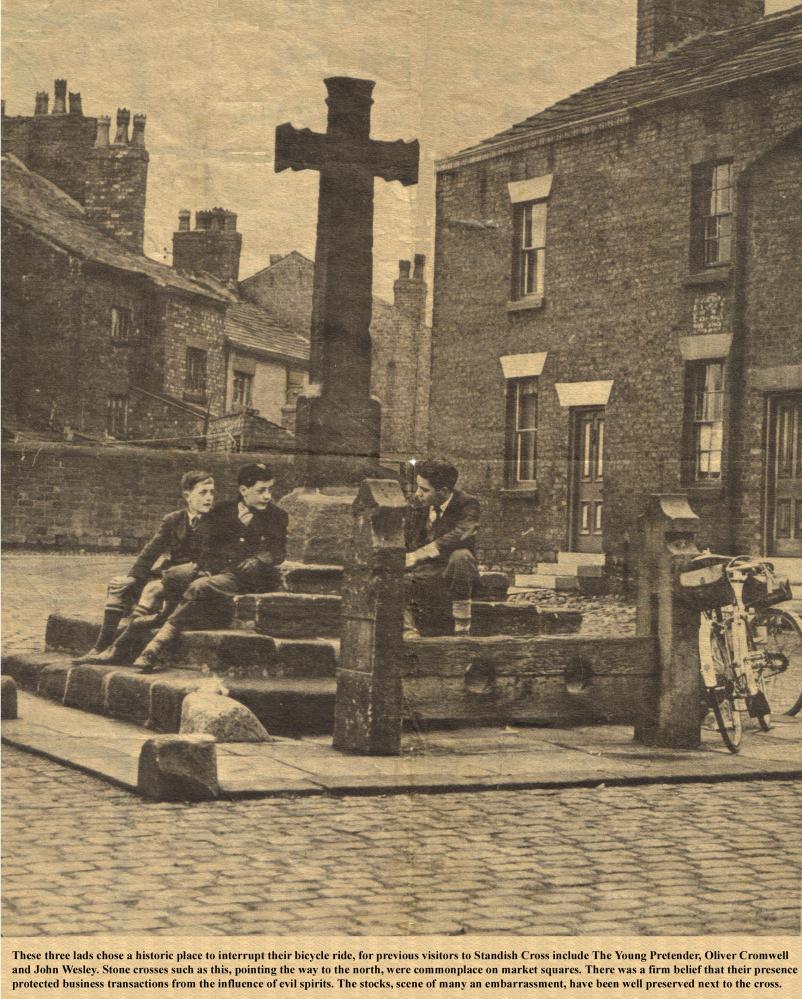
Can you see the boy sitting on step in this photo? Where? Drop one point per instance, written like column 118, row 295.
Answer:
column 165, row 566
column 440, row 533
column 245, row 540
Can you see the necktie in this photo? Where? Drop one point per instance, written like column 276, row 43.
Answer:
column 194, row 521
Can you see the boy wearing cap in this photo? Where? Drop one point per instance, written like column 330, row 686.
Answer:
column 166, row 564
column 244, row 541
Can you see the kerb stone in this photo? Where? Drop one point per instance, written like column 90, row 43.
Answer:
column 178, row 768
column 221, row 717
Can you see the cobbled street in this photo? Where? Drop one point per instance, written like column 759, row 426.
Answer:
column 83, row 857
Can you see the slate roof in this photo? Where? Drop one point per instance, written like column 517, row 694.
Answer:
column 250, row 328
column 769, row 45
column 42, row 207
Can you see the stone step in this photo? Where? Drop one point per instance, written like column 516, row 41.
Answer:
column 289, row 615
column 297, row 577
column 520, row 618
column 228, row 651
column 581, row 558
column 570, row 569
column 538, row 580
column 284, row 705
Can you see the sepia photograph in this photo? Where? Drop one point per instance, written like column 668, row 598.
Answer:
column 401, row 494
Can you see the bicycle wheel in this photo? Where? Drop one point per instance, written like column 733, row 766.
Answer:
column 783, row 636
column 721, row 699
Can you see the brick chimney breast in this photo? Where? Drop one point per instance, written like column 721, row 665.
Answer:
column 665, row 23
column 212, row 247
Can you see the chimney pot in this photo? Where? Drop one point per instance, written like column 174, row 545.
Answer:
column 138, row 134
column 42, row 101
column 420, row 264
column 75, row 104
column 183, row 220
column 123, row 118
column 60, row 97
column 403, row 270
column 231, row 222
column 102, row 134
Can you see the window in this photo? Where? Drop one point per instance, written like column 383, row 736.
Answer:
column 521, row 431
column 242, row 389
column 120, row 324
column 195, row 379
column 708, row 420
column 531, row 258
column 712, row 221
column 296, row 382
column 117, row 415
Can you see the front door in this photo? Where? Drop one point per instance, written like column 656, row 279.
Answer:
column 785, row 476
column 587, row 478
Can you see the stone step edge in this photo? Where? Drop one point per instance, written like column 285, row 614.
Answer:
column 524, row 580
column 285, row 706
column 581, row 558
column 569, row 569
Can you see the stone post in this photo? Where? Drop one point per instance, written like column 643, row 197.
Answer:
column 367, row 714
column 671, row 716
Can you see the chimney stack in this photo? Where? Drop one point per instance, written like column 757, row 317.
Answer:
column 117, row 180
column 138, row 134
column 410, row 292
column 60, row 97
column 75, row 104
column 42, row 102
column 123, row 118
column 212, row 247
column 663, row 24
column 102, row 135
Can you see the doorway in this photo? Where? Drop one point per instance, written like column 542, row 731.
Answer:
column 784, row 490
column 587, row 479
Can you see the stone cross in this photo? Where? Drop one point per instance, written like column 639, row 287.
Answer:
column 338, row 423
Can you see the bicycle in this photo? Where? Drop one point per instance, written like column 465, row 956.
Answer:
column 749, row 649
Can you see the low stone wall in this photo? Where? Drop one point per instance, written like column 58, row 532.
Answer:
column 71, row 496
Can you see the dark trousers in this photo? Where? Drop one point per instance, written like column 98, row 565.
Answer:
column 206, row 600
column 431, row 587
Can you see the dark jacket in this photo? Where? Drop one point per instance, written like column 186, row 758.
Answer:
column 228, row 543
column 457, row 528
column 175, row 539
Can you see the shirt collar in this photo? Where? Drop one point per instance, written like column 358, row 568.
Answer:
column 244, row 513
column 442, row 508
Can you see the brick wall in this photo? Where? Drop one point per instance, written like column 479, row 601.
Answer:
column 56, row 146
column 618, row 295
column 116, row 188
column 69, row 496
column 194, row 322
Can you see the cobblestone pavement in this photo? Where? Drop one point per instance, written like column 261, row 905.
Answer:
column 82, row 857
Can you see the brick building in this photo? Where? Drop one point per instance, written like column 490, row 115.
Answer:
column 401, row 342
column 266, row 364
column 98, row 339
column 617, row 298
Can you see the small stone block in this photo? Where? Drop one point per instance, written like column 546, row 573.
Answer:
column 491, row 586
column 128, row 697
column 221, row 717
column 502, row 618
column 178, row 768
column 85, row 688
column 70, row 634
column 53, row 681
column 296, row 615
column 166, row 700
column 8, row 697
column 558, row 621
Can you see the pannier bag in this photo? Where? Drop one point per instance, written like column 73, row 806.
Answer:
column 706, row 588
column 766, row 590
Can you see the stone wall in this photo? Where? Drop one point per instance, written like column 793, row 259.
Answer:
column 105, row 498
column 618, row 296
